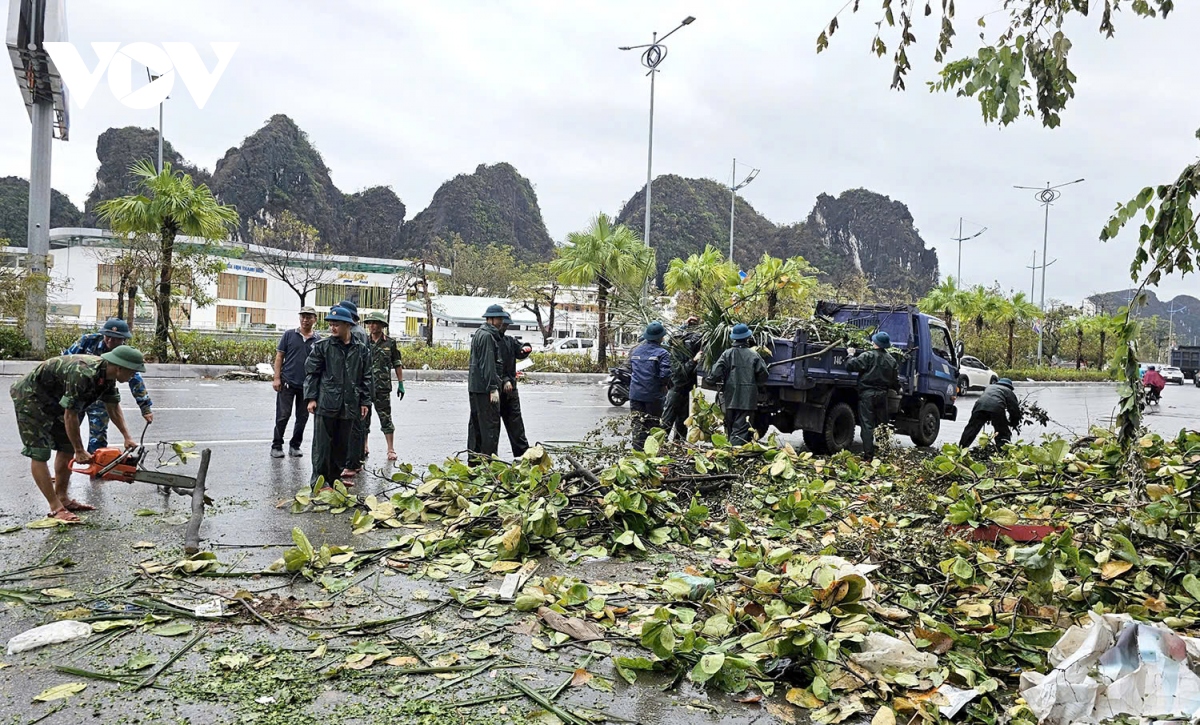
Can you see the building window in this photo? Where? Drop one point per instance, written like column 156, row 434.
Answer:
column 106, row 309
column 241, row 287
column 231, row 316
column 108, row 278
column 367, row 298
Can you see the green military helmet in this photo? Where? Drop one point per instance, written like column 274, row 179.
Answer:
column 126, row 357
column 376, row 317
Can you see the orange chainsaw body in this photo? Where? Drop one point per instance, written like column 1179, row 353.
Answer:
column 104, row 457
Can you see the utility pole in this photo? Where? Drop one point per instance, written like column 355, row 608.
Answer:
column 733, row 190
column 1171, row 334
column 960, row 239
column 1046, row 196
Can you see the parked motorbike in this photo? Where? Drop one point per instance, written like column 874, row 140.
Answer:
column 618, row 385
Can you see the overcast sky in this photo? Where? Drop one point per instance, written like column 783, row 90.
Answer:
column 408, row 94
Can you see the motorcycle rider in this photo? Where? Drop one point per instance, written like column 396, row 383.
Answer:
column 1154, row 382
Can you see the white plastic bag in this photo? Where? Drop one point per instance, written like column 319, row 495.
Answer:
column 63, row 631
column 881, row 652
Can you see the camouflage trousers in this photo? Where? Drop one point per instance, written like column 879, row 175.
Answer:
column 381, row 403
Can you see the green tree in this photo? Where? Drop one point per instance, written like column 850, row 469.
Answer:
column 780, row 283
column 1013, row 311
column 699, row 273
column 609, row 257
column 980, row 306
column 947, row 300
column 478, row 271
column 299, row 257
column 1025, row 71
column 171, row 204
column 536, row 289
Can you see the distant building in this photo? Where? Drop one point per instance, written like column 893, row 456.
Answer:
column 456, row 317
column 85, row 284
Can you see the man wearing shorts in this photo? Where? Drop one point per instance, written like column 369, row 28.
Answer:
column 49, row 403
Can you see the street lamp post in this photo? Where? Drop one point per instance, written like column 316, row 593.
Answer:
column 1171, row 333
column 153, row 78
column 1046, row 196
column 960, row 239
column 654, row 54
column 733, row 190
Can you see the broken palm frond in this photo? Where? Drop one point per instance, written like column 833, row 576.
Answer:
column 149, row 679
column 544, row 702
column 853, row 585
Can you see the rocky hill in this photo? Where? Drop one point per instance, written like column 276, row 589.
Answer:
column 1187, row 321
column 14, row 210
column 493, row 205
column 118, row 149
column 857, row 234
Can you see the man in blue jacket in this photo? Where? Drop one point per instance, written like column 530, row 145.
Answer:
column 114, row 333
column 650, row 363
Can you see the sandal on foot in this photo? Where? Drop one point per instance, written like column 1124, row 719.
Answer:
column 73, row 505
column 348, row 473
column 392, row 456
column 65, row 516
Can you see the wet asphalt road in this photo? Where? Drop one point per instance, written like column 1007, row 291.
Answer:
column 252, row 492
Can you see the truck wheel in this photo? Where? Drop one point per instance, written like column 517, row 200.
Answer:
column 815, row 442
column 839, row 428
column 929, row 423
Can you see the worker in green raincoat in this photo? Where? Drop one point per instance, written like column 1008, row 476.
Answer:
column 877, row 374
column 511, row 350
column 741, row 370
column 485, row 374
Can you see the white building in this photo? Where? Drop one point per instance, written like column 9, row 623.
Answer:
column 85, row 284
column 456, row 317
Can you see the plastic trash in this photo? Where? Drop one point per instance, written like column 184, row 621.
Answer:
column 688, row 586
column 63, row 631
column 881, row 652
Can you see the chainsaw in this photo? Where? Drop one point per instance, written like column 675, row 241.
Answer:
column 128, row 465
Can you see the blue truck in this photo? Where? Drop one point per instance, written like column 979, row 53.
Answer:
column 810, row 390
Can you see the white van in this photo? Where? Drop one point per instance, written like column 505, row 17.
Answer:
column 573, row 346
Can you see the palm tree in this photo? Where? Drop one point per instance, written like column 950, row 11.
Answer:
column 608, row 256
column 980, row 305
column 946, row 299
column 1101, row 325
column 780, row 280
column 171, row 205
column 1011, row 312
column 697, row 274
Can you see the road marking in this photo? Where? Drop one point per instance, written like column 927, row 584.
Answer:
column 233, row 442
column 157, row 408
column 166, row 390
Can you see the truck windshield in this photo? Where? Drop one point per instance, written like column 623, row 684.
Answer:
column 939, row 340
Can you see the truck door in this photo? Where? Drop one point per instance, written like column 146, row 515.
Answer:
column 940, row 368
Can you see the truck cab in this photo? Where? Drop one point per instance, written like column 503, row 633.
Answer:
column 809, row 388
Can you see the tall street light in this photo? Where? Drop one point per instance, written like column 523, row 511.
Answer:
column 654, row 54
column 960, row 239
column 1171, row 334
column 733, row 190
column 153, row 78
column 1046, row 196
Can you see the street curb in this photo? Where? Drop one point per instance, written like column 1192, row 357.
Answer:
column 153, row 370
column 460, row 376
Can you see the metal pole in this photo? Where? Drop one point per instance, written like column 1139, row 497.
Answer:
column 958, row 278
column 1045, row 245
column 1033, row 275
column 732, row 203
column 38, row 230
column 650, row 149
column 160, row 137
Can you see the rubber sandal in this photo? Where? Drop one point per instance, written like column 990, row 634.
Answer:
column 348, row 473
column 73, row 505
column 392, row 456
column 64, row 516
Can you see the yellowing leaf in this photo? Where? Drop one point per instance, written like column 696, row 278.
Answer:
column 59, row 593
column 59, row 692
column 977, row 610
column 885, row 716
column 801, row 697
column 1114, row 568
column 174, row 629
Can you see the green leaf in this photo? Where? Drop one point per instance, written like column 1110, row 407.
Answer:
column 140, row 661
column 1004, row 517
column 172, row 629
column 302, row 543
column 651, row 446
column 708, row 666
column 1125, row 548
column 59, row 692
column 145, row 512
column 1192, row 585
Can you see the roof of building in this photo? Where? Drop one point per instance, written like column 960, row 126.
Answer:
column 87, row 237
column 467, row 309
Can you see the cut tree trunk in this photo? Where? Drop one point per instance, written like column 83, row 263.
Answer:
column 602, row 332
column 1012, row 325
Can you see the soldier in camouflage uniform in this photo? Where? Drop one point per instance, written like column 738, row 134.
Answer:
column 385, row 357
column 49, row 402
column 878, row 373
column 114, row 332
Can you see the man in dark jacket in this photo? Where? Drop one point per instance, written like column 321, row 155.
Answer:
column 337, row 388
column 741, row 371
column 484, row 378
column 994, row 402
column 511, row 350
column 677, row 405
column 650, row 365
column 877, row 374
column 357, row 452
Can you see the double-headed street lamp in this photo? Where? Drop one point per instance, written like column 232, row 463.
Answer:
column 654, row 55
column 733, row 190
column 1047, row 196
